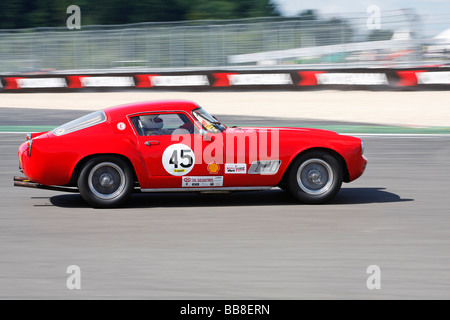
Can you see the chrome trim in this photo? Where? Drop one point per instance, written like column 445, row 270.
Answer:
column 200, row 189
column 257, row 166
column 30, row 184
column 29, row 147
column 152, row 143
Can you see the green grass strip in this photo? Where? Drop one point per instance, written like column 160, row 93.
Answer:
column 26, row 128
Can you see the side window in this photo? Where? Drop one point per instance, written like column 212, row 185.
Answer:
column 161, row 124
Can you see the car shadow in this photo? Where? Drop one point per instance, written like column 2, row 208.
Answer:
column 276, row 197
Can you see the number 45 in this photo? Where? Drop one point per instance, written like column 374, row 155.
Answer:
column 183, row 156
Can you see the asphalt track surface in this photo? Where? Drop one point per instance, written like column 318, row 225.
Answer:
column 253, row 245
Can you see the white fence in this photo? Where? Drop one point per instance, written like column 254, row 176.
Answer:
column 332, row 41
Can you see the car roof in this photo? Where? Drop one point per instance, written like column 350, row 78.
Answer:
column 150, row 106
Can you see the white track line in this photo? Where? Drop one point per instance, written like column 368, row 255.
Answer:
column 400, row 135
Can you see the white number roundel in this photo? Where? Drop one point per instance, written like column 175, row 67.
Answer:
column 121, row 126
column 178, row 159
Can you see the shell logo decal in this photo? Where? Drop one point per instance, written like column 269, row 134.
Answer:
column 213, row 168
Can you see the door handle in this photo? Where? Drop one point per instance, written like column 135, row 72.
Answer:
column 151, row 143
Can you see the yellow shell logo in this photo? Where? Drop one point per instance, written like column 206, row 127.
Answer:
column 213, row 167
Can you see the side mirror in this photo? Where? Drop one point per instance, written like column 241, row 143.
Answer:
column 206, row 136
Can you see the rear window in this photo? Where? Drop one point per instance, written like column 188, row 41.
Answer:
column 84, row 122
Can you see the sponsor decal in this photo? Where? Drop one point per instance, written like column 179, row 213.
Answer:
column 235, row 168
column 121, row 126
column 180, row 81
column 157, row 80
column 439, row 77
column 202, row 181
column 213, row 168
column 107, row 81
column 260, row 79
column 35, row 83
column 178, row 159
column 352, row 78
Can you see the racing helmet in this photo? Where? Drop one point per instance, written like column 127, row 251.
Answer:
column 153, row 122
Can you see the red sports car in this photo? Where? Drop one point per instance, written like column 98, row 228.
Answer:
column 167, row 146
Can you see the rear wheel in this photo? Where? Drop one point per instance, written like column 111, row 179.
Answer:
column 315, row 177
column 106, row 182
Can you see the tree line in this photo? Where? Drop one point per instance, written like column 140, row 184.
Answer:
column 52, row 13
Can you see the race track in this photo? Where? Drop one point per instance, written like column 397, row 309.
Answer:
column 255, row 245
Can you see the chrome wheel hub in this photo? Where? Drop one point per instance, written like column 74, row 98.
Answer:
column 315, row 176
column 106, row 180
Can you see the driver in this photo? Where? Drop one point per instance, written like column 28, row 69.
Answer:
column 152, row 125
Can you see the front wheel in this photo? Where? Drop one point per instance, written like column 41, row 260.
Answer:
column 106, row 182
column 315, row 177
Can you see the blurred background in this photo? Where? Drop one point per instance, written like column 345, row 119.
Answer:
column 127, row 36
column 243, row 245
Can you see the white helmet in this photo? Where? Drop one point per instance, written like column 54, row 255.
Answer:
column 152, row 122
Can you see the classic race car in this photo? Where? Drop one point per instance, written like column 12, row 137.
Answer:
column 176, row 146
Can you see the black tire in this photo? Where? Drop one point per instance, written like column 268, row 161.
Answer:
column 106, row 182
column 315, row 177
column 283, row 186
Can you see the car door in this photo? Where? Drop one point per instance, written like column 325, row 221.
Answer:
column 251, row 157
column 172, row 148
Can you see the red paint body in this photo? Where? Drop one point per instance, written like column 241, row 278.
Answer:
column 54, row 159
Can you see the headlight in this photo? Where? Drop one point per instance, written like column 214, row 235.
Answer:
column 362, row 147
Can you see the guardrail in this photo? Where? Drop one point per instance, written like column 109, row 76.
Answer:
column 360, row 78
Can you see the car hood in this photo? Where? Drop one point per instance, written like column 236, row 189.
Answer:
column 284, row 131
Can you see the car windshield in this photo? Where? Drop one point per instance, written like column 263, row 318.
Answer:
column 86, row 121
column 208, row 122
